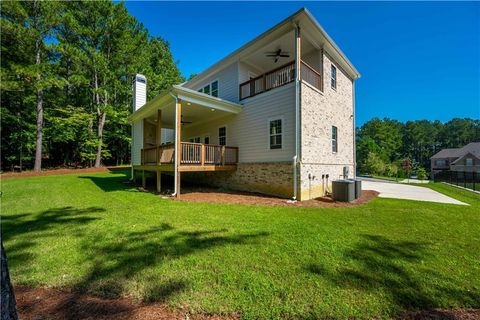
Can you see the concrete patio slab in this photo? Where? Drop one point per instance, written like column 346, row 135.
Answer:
column 407, row 192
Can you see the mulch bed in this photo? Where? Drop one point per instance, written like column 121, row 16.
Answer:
column 211, row 195
column 53, row 304
column 51, row 172
column 43, row 304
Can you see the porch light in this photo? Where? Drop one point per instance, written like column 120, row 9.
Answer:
column 212, row 109
column 188, row 104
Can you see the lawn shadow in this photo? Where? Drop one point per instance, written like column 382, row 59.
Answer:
column 111, row 183
column 135, row 253
column 396, row 269
column 28, row 228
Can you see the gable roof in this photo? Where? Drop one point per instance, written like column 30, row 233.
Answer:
column 306, row 19
column 468, row 154
column 472, row 147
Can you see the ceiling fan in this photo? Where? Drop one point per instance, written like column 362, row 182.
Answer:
column 277, row 54
column 184, row 122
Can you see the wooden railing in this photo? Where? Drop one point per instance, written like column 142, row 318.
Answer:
column 279, row 77
column 191, row 154
column 267, row 81
column 311, row 76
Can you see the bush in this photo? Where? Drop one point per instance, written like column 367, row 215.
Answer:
column 391, row 170
column 422, row 174
column 374, row 164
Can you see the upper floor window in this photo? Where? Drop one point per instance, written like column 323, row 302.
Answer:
column 440, row 163
column 222, row 136
column 334, row 139
column 211, row 89
column 469, row 162
column 276, row 134
column 333, row 77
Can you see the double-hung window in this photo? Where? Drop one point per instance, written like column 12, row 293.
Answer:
column 469, row 162
column 276, row 134
column 222, row 136
column 333, row 77
column 334, row 139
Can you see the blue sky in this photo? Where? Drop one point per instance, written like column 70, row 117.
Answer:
column 418, row 60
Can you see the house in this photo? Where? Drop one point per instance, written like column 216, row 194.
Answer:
column 465, row 159
column 276, row 116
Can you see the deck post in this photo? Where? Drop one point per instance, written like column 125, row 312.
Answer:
column 202, row 155
column 223, row 155
column 144, row 182
column 159, row 181
column 178, row 145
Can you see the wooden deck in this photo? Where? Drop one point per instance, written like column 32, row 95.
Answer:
column 193, row 157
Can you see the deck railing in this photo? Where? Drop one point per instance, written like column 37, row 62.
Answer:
column 279, row 77
column 191, row 154
column 311, row 76
column 267, row 81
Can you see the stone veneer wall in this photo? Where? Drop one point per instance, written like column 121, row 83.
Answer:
column 268, row 178
column 319, row 112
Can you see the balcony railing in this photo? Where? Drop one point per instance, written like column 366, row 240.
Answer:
column 279, row 77
column 191, row 154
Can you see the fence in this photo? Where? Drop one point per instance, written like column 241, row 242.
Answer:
column 469, row 180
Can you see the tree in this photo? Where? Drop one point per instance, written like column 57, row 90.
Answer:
column 374, row 164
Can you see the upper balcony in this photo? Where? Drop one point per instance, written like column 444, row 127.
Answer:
column 279, row 77
column 273, row 65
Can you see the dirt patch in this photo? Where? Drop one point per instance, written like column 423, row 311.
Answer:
column 42, row 304
column 442, row 314
column 211, row 195
column 59, row 171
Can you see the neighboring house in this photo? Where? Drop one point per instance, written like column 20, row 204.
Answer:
column 251, row 121
column 466, row 159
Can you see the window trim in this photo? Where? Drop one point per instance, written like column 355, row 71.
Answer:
column 226, row 134
column 333, row 77
column 336, row 138
column 468, row 165
column 192, row 139
column 282, row 134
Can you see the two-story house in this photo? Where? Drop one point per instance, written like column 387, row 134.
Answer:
column 276, row 116
column 464, row 159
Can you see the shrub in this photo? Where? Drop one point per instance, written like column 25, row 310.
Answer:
column 374, row 164
column 391, row 170
column 422, row 174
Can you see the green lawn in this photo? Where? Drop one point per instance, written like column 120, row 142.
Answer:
column 96, row 234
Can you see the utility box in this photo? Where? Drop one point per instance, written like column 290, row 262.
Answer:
column 358, row 187
column 343, row 190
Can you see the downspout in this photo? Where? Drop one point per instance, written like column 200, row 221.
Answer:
column 131, row 153
column 354, row 134
column 297, row 117
column 175, row 172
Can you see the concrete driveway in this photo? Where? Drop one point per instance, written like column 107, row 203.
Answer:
column 407, row 192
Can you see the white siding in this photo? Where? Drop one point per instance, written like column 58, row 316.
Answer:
column 245, row 70
column 168, row 135
column 227, row 83
column 249, row 130
column 137, row 142
column 139, row 92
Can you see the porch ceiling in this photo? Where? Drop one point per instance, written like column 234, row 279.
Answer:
column 196, row 107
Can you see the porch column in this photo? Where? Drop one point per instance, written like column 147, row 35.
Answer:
column 178, row 145
column 159, row 128
column 298, row 55
column 159, row 181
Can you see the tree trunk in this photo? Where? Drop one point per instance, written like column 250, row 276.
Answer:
column 39, row 141
column 101, row 122
column 7, row 301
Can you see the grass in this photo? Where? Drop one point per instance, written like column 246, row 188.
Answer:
column 98, row 235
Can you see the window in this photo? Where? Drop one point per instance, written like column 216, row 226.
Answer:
column 333, row 77
column 440, row 163
column 210, row 89
column 206, row 140
column 276, row 134
column 334, row 139
column 469, row 162
column 195, row 139
column 222, row 136
column 206, row 89
column 214, row 88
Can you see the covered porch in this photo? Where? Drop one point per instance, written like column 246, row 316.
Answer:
column 159, row 146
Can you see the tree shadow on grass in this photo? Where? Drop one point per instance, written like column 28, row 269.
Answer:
column 396, row 269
